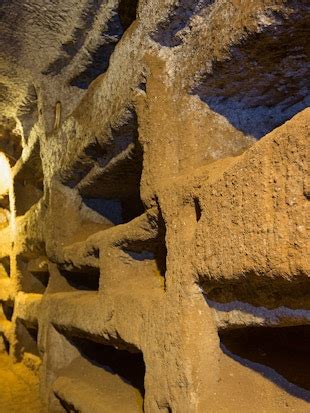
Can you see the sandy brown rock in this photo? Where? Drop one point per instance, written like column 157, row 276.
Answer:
column 154, row 251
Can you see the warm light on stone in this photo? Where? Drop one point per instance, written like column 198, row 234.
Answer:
column 5, row 175
column 154, row 195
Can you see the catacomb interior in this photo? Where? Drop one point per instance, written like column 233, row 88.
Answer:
column 154, row 190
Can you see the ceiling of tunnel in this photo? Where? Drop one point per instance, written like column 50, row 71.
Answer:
column 50, row 51
column 31, row 35
column 46, row 48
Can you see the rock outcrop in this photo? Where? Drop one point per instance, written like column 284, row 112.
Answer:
column 154, row 253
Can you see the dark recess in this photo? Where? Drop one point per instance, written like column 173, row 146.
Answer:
column 71, row 48
column 5, row 202
column 259, row 290
column 100, row 57
column 6, row 262
column 27, row 337
column 152, row 249
column 6, row 343
column 85, row 278
column 127, row 10
column 8, row 308
column 28, row 183
column 264, row 89
column 286, row 350
column 28, row 111
column 107, row 175
column 93, row 153
column 69, row 408
column 128, row 365
column 179, row 17
column 198, row 209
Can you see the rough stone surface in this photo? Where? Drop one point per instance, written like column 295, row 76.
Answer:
column 154, row 244
column 19, row 388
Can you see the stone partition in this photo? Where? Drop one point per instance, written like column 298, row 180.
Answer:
column 156, row 258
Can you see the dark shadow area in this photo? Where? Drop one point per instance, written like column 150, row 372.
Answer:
column 101, row 365
column 85, row 278
column 10, row 140
column 279, row 354
column 5, row 202
column 115, row 356
column 161, row 250
column 265, row 80
column 28, row 113
column 6, row 343
column 117, row 211
column 259, row 290
column 116, row 186
column 42, row 277
column 179, row 17
column 109, row 208
column 127, row 11
column 132, row 207
column 33, row 270
column 27, row 338
column 69, row 408
column 5, row 262
column 262, row 312
column 198, row 209
column 141, row 255
column 100, row 57
column 153, row 249
column 5, row 214
column 107, row 175
column 28, row 183
column 35, row 281
column 8, row 309
column 157, row 254
column 118, row 174
column 92, row 154
column 78, row 37
column 127, row 365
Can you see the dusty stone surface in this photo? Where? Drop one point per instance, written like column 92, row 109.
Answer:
column 19, row 388
column 154, row 244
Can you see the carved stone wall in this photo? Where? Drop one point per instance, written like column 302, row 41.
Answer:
column 154, row 251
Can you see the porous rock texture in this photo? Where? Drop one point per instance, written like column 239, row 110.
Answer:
column 153, row 225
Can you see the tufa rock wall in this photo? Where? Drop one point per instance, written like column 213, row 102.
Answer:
column 154, row 254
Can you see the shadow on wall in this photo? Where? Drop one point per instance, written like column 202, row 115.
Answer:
column 124, row 16
column 128, row 365
column 265, row 81
column 169, row 32
column 28, row 182
column 279, row 354
column 99, row 57
column 71, row 48
column 10, row 138
column 28, row 112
